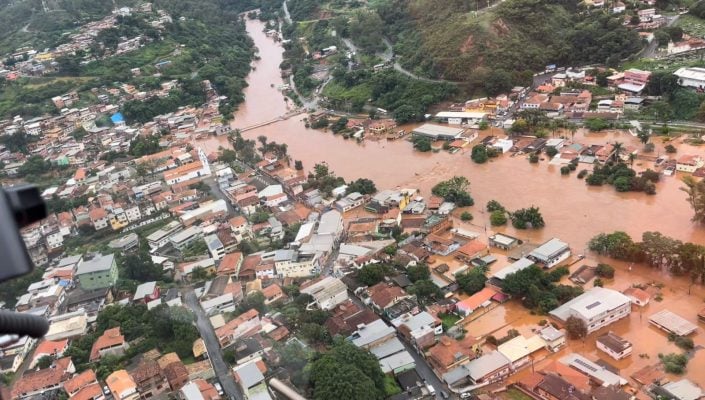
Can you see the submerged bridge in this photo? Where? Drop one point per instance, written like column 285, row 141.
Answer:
column 273, row 121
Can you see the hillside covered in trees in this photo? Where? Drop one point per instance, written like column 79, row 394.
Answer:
column 451, row 40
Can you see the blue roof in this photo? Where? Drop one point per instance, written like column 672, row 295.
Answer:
column 117, row 117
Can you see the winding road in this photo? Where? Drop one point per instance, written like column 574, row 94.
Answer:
column 215, row 355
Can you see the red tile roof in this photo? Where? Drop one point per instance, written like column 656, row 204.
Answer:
column 89, row 392
column 44, row 378
column 80, row 381
column 49, row 347
column 109, row 338
column 383, row 295
column 230, row 263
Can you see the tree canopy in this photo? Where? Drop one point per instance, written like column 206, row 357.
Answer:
column 454, row 190
column 346, row 372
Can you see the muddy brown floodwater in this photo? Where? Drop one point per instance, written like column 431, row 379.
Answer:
column 573, row 211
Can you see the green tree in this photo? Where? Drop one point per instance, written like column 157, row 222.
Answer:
column 466, row 216
column 674, row 363
column 670, row 149
column 362, row 186
column 418, row 272
column 422, row 143
column 34, row 166
column 527, row 218
column 425, row 290
column 45, row 362
column 498, row 218
column 479, row 154
column 372, row 274
column 605, row 271
column 472, row 281
column 454, row 190
column 696, row 197
column 494, row 205
column 347, row 373
column 575, row 327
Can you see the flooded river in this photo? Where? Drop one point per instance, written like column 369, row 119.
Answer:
column 573, row 211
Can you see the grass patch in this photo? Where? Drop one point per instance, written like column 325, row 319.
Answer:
column 691, row 25
column 515, row 394
column 41, row 82
column 390, row 386
column 448, row 320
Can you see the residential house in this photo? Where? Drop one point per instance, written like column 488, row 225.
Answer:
column 46, row 348
column 384, row 295
column 349, row 202
column 678, row 390
column 146, row 292
column 215, row 247
column 555, row 387
column 489, row 368
column 272, row 294
column 550, row 253
column 198, row 389
column 519, row 350
column 373, row 334
column 99, row 218
column 84, row 386
column 554, row 338
column 481, row 299
column 598, row 374
column 347, row 316
column 471, row 250
column 221, row 294
column 449, row 353
column 45, row 381
column 420, row 330
column 149, row 379
column 122, row 386
column 597, row 307
column 251, row 381
column 230, row 264
column 689, row 163
column 67, row 325
column 638, row 296
column 99, row 272
column 111, row 342
column 327, row 292
column 245, row 325
column 614, row 345
column 240, row 227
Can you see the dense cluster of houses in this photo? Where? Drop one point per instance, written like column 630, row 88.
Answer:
column 27, row 61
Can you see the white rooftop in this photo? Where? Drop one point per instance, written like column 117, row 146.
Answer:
column 591, row 303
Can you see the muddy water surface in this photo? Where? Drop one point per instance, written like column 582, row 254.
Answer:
column 573, row 211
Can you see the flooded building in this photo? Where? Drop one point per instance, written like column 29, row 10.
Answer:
column 550, row 253
column 614, row 345
column 672, row 323
column 597, row 307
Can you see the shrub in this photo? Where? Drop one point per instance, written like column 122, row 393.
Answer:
column 598, row 282
column 582, row 174
column 498, row 218
column 565, row 170
column 670, row 149
column 605, row 271
column 533, row 158
column 466, row 216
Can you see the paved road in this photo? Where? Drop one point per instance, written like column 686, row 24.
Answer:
column 287, row 16
column 205, row 329
column 421, row 365
column 215, row 190
column 650, row 50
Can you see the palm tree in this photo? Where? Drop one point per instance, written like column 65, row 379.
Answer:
column 617, row 149
column 572, row 127
column 632, row 157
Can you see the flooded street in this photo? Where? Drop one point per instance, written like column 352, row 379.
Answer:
column 573, row 211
